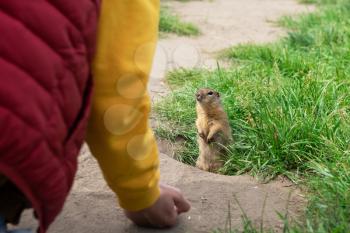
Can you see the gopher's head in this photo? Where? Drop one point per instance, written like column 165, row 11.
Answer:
column 206, row 96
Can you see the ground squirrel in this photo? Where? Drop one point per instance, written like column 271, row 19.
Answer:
column 214, row 132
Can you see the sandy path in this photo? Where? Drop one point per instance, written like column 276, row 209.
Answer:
column 91, row 206
column 223, row 23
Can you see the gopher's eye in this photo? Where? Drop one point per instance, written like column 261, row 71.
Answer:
column 210, row 93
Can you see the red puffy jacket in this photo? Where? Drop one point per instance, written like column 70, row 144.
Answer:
column 45, row 87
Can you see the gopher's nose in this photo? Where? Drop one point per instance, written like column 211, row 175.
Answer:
column 198, row 97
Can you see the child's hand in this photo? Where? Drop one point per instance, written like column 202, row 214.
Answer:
column 164, row 211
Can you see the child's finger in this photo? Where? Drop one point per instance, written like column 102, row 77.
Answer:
column 182, row 205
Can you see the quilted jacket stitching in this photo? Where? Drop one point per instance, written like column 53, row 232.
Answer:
column 45, row 42
column 16, row 115
column 82, row 37
column 36, row 82
column 27, row 73
column 70, row 21
column 49, row 115
column 55, row 7
column 61, row 59
column 23, row 122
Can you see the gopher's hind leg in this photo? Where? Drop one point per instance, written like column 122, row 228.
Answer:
column 202, row 161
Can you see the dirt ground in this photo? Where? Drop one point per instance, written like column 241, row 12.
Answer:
column 92, row 207
column 223, row 23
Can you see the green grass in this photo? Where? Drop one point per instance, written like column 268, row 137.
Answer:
column 289, row 108
column 170, row 23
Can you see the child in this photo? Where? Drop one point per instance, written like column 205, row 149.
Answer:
column 46, row 50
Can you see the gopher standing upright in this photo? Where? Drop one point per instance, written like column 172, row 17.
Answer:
column 214, row 132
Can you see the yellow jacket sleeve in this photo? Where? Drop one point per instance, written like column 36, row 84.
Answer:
column 119, row 135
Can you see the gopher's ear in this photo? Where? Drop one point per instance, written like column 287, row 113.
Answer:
column 217, row 94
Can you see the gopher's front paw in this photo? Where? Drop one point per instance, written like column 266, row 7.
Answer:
column 211, row 138
column 201, row 135
column 216, row 137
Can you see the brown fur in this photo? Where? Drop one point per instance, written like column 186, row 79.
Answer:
column 214, row 132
